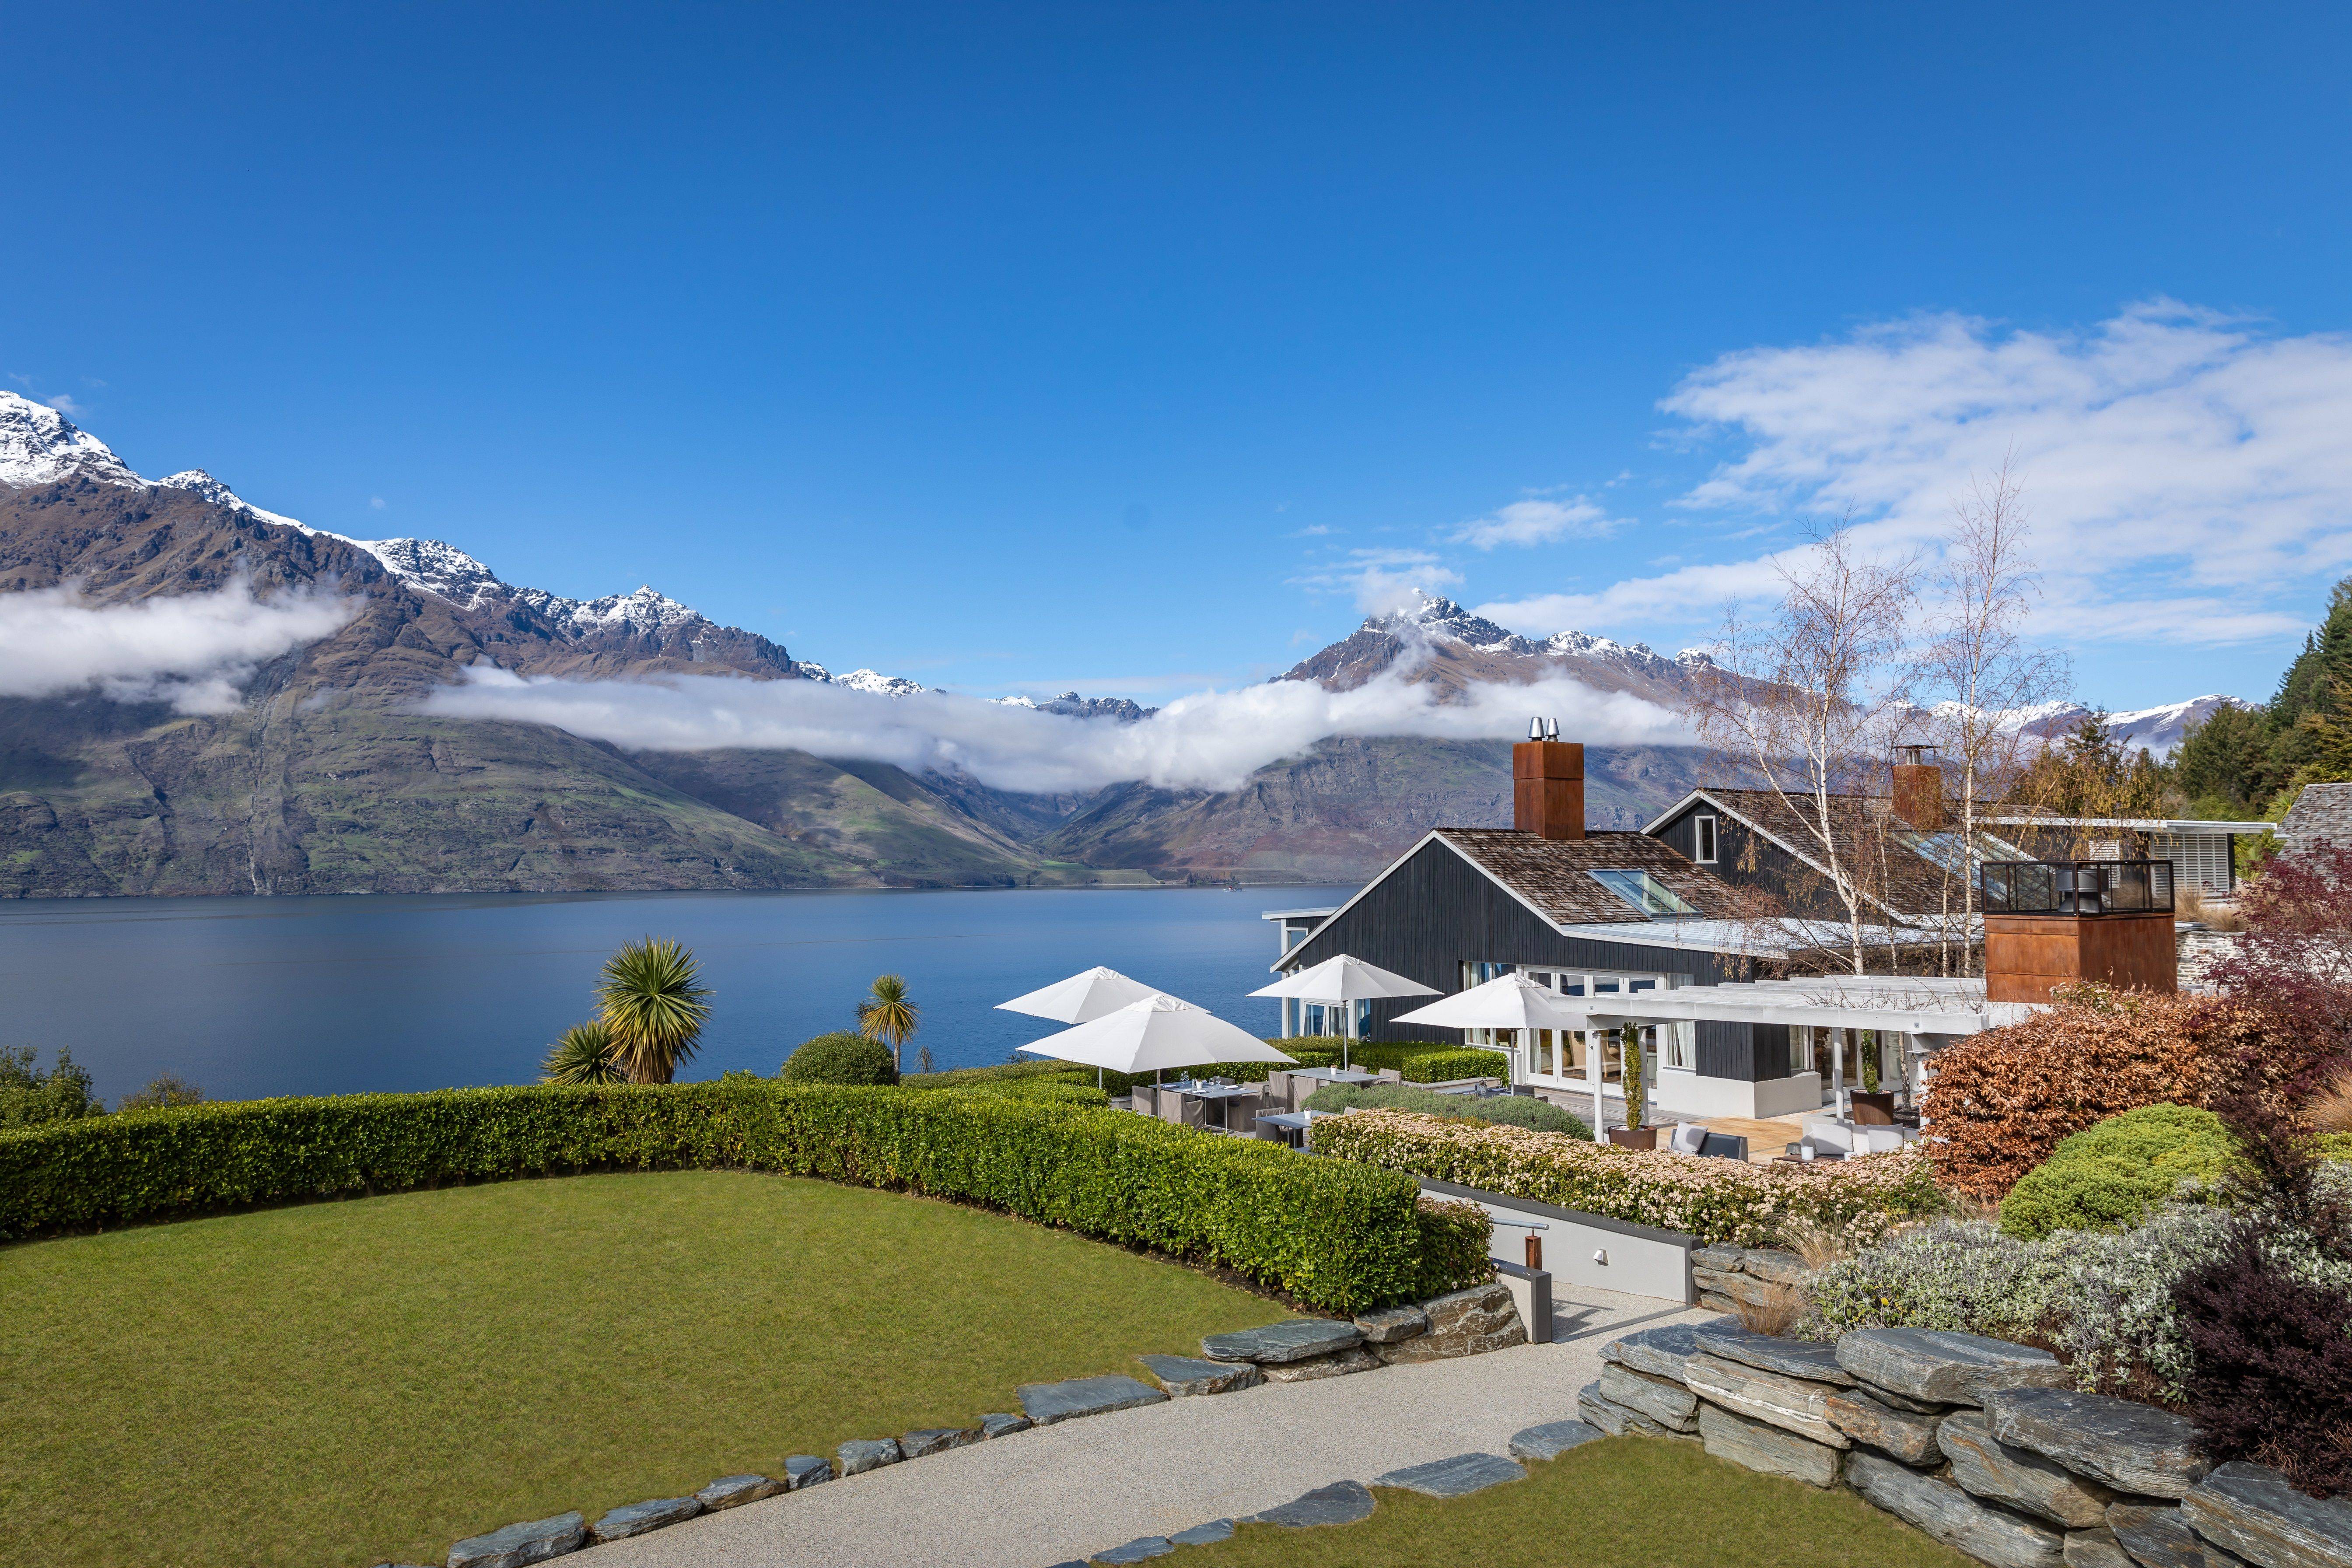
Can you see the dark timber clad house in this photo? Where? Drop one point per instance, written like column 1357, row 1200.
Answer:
column 1585, row 913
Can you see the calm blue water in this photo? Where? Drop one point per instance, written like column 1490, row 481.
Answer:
column 328, row 995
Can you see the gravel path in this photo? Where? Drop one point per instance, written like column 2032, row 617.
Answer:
column 1066, row 1491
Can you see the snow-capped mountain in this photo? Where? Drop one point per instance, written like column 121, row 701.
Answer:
column 1433, row 618
column 1072, row 705
column 1436, row 640
column 39, row 446
column 2157, row 729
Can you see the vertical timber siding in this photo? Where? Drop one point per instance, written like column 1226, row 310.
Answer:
column 1434, row 911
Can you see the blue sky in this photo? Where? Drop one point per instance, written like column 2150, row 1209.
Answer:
column 1137, row 349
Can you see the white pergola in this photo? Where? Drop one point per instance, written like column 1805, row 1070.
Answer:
column 1928, row 1011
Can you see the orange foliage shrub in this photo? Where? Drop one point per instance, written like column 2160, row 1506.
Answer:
column 1998, row 1102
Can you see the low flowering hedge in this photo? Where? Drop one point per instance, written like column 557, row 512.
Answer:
column 1340, row 1237
column 1715, row 1200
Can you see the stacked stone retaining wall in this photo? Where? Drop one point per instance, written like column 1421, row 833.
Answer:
column 1984, row 1444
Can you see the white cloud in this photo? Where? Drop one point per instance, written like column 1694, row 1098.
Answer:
column 1380, row 579
column 65, row 404
column 191, row 649
column 1537, row 522
column 375, row 503
column 2185, row 473
column 1213, row 740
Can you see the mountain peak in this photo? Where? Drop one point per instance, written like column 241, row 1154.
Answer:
column 39, row 446
column 1435, row 614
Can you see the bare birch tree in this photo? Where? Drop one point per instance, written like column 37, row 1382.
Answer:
column 1978, row 660
column 1806, row 698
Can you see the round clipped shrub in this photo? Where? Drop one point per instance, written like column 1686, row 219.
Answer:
column 2110, row 1175
column 842, row 1056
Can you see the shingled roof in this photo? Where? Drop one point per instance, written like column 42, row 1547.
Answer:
column 2322, row 813
column 1549, row 874
column 1896, row 878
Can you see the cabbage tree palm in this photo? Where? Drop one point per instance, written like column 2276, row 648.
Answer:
column 887, row 1016
column 649, row 1000
column 582, row 1054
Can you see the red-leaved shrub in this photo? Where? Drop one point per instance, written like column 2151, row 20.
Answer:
column 2271, row 1354
column 2294, row 963
column 2000, row 1101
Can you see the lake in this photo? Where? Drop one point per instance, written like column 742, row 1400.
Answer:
column 247, row 997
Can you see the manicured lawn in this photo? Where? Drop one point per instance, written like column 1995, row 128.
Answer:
column 1624, row 1502
column 358, row 1382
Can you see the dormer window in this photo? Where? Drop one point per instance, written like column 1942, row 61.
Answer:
column 1705, row 826
column 1653, row 897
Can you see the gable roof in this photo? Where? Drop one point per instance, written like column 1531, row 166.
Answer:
column 1904, row 884
column 1546, row 876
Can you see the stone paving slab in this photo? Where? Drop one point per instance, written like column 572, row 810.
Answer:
column 1341, row 1502
column 1457, row 1477
column 1553, row 1439
column 1047, row 1403
column 1295, row 1338
column 1184, row 1375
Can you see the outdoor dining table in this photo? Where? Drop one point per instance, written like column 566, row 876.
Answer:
column 1220, row 1092
column 1292, row 1123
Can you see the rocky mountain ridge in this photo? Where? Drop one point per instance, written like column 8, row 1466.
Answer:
column 327, row 780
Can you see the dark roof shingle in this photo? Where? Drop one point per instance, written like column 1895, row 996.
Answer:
column 1550, row 873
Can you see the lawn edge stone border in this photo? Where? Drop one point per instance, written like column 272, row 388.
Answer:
column 2035, row 1474
column 1462, row 1323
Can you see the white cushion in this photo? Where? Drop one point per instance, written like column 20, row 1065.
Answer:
column 1688, row 1139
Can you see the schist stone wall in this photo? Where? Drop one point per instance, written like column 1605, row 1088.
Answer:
column 1984, row 1444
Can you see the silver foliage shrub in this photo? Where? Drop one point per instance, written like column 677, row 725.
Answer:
column 2102, row 1299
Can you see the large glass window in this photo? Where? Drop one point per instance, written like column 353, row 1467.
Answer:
column 1705, row 826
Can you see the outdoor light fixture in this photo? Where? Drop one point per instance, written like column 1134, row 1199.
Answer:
column 1551, row 729
column 1600, row 1256
column 1535, row 729
column 1543, row 729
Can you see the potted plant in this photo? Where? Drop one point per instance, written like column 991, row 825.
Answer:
column 1869, row 1108
column 1634, row 1135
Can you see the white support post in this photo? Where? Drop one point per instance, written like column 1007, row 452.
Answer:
column 1592, row 1081
column 1838, row 1038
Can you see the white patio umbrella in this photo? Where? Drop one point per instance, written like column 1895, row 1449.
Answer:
column 1156, row 1033
column 1082, row 998
column 1346, row 981
column 1515, row 1002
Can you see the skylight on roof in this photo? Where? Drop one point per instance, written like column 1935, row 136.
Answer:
column 1653, row 897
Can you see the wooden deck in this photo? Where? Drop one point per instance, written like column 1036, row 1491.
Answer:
column 1766, row 1139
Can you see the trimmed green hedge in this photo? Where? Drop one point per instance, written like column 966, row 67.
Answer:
column 1341, row 1238
column 2111, row 1174
column 1447, row 1065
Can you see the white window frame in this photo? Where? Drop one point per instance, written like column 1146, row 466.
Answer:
column 1704, row 839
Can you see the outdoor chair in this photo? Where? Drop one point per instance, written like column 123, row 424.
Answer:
column 1392, row 1075
column 1189, row 1112
column 1146, row 1099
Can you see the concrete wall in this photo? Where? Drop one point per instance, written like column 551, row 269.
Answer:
column 1635, row 1259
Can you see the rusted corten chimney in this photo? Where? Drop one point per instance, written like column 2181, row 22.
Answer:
column 1918, row 788
column 1547, row 788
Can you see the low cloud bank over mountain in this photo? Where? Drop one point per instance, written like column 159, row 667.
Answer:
column 1212, row 741
column 193, row 650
